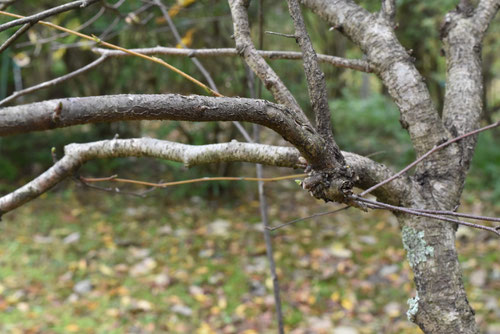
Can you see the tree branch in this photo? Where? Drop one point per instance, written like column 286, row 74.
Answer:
column 55, row 81
column 355, row 64
column 247, row 50
column 389, row 10
column 78, row 154
column 462, row 33
column 15, row 36
column 485, row 12
column 72, row 111
column 47, row 13
column 376, row 38
column 316, row 83
column 191, row 155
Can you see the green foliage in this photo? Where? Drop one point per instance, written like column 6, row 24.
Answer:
column 371, row 126
column 485, row 168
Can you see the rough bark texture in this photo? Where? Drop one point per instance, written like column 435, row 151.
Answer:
column 330, row 180
column 441, row 304
column 72, row 111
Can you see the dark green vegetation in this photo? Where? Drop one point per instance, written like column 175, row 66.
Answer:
column 200, row 267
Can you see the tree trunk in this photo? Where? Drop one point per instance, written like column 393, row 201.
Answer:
column 440, row 305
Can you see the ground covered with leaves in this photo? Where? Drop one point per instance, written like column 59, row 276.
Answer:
column 82, row 261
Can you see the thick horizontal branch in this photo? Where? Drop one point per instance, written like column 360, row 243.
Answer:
column 73, row 111
column 355, row 64
column 47, row 13
column 77, row 154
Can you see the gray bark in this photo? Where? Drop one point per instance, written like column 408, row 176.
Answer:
column 441, row 304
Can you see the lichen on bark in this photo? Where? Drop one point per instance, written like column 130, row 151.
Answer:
column 412, row 308
column 415, row 245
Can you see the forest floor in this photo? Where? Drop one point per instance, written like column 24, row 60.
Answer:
column 84, row 261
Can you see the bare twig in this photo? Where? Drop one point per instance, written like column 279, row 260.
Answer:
column 308, row 217
column 436, row 148
column 379, row 205
column 15, row 36
column 457, row 214
column 264, row 212
column 61, row 35
column 55, row 81
column 47, row 13
column 269, row 251
column 355, row 64
column 115, row 178
column 115, row 190
column 280, row 34
column 115, row 47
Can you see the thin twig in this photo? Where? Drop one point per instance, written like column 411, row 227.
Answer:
column 355, row 64
column 269, row 250
column 46, row 13
column 15, row 36
column 115, row 178
column 379, row 205
column 55, row 81
column 61, row 35
column 264, row 212
column 458, row 214
column 424, row 156
column 281, row 34
column 308, row 217
column 141, row 194
column 115, row 47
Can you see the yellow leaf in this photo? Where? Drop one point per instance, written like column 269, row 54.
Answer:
column 205, row 329
column 174, row 10
column 347, row 304
column 222, row 303
column 187, row 39
column 240, row 310
column 58, row 54
column 249, row 331
column 72, row 328
column 105, row 270
column 185, row 3
column 335, row 296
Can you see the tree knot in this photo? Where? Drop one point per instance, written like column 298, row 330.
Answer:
column 330, row 185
